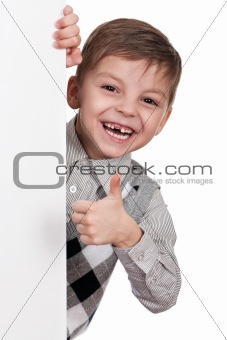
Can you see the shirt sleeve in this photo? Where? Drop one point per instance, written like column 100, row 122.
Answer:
column 151, row 264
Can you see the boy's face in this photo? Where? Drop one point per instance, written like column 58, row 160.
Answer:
column 122, row 106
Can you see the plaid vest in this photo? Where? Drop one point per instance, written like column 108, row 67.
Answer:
column 89, row 267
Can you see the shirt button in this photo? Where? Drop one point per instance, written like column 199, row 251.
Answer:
column 72, row 189
column 141, row 257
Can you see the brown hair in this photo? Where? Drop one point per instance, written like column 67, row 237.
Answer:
column 134, row 40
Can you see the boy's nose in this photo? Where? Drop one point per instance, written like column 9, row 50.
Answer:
column 127, row 108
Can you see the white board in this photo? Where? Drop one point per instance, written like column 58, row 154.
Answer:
column 32, row 195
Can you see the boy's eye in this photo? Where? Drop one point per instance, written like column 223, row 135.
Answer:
column 109, row 88
column 150, row 101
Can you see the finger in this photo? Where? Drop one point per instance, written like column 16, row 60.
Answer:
column 81, row 229
column 73, row 57
column 68, row 20
column 67, row 32
column 86, row 239
column 67, row 10
column 67, row 43
column 90, row 240
column 82, row 206
column 115, row 187
column 68, row 51
column 77, row 217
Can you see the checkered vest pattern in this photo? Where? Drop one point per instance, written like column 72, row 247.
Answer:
column 89, row 267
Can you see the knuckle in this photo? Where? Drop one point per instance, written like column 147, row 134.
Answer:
column 79, row 39
column 61, row 44
column 62, row 22
column 74, row 206
column 75, row 17
column 76, row 30
column 92, row 233
column 79, row 219
column 58, row 35
column 85, row 220
column 74, row 41
column 79, row 227
column 91, row 208
column 96, row 240
column 84, row 239
column 73, row 217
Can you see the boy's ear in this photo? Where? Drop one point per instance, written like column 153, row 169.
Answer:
column 72, row 93
column 164, row 120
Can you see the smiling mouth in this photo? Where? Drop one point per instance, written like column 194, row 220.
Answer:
column 118, row 131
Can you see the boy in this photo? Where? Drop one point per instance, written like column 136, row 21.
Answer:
column 124, row 89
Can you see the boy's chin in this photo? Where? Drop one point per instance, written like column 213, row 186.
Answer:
column 111, row 155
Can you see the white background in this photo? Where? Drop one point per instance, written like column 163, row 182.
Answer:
column 194, row 135
column 32, row 231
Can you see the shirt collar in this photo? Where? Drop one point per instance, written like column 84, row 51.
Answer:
column 76, row 152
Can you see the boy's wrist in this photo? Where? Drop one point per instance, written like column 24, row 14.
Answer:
column 132, row 237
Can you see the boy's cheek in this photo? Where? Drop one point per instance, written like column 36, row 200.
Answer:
column 96, row 105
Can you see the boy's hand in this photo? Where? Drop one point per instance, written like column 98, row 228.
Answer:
column 68, row 36
column 106, row 221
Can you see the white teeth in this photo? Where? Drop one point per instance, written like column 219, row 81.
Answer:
column 111, row 126
column 117, row 136
column 123, row 130
column 126, row 130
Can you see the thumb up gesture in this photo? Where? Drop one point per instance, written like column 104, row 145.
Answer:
column 106, row 221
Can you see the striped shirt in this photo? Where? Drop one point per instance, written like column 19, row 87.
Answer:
column 151, row 264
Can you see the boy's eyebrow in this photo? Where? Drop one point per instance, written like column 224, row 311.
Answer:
column 109, row 75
